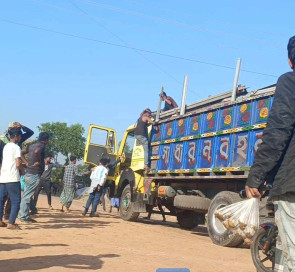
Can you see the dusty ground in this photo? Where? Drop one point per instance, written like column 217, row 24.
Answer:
column 70, row 242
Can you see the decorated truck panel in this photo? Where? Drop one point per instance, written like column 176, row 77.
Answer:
column 216, row 140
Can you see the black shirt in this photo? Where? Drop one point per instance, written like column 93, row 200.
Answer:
column 2, row 144
column 275, row 158
column 46, row 175
column 34, row 170
column 141, row 128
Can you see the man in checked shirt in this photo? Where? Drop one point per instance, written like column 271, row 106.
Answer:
column 68, row 193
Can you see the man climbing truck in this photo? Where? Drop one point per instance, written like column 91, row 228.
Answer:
column 199, row 160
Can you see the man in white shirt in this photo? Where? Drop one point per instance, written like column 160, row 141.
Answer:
column 10, row 177
column 98, row 178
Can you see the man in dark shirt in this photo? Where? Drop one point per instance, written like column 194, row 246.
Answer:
column 141, row 134
column 275, row 161
column 45, row 180
column 169, row 102
column 35, row 169
column 2, row 144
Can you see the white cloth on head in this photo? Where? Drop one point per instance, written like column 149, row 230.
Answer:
column 9, row 171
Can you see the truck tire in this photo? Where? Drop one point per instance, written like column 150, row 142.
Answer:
column 192, row 203
column 126, row 206
column 189, row 219
column 218, row 234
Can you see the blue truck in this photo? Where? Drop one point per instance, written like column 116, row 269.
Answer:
column 199, row 159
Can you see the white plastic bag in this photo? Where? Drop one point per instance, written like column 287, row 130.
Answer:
column 242, row 218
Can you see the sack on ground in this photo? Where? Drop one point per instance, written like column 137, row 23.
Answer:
column 242, row 218
column 82, row 192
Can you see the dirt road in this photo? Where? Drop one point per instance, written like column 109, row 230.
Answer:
column 71, row 242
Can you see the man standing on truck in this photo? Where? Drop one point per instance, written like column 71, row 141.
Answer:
column 275, row 160
column 169, row 102
column 141, row 134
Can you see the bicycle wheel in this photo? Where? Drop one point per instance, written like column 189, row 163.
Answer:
column 263, row 261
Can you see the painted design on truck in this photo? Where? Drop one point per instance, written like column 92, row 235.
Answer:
column 207, row 151
column 180, row 128
column 224, row 148
column 191, row 154
column 166, row 155
column 244, row 114
column 226, row 118
column 178, row 155
column 242, row 147
column 210, row 121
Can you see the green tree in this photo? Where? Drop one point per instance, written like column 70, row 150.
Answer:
column 64, row 139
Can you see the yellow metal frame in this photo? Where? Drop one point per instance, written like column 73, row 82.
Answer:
column 109, row 130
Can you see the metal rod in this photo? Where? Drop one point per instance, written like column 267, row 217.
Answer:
column 234, row 93
column 183, row 100
column 159, row 105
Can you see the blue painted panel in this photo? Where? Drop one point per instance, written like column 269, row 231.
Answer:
column 165, row 157
column 255, row 142
column 190, row 159
column 180, row 127
column 223, row 150
column 206, row 153
column 194, row 125
column 241, row 150
column 168, row 130
column 226, row 118
column 209, row 121
column 177, row 154
column 156, row 134
column 243, row 114
column 261, row 110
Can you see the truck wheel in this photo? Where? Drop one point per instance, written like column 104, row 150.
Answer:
column 217, row 232
column 189, row 219
column 126, row 206
column 192, row 202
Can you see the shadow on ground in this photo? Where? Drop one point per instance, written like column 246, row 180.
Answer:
column 58, row 220
column 9, row 247
column 74, row 261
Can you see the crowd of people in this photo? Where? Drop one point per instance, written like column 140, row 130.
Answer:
column 33, row 165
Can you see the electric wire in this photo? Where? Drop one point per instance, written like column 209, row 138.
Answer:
column 131, row 47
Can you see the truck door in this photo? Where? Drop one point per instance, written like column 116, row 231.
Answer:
column 101, row 142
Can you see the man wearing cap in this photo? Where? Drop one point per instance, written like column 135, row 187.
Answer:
column 34, row 170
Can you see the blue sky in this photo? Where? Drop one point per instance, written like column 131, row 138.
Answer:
column 78, row 75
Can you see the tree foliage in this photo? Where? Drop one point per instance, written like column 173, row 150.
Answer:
column 64, row 139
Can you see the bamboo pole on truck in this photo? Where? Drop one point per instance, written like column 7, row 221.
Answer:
column 159, row 105
column 183, row 100
column 238, row 68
